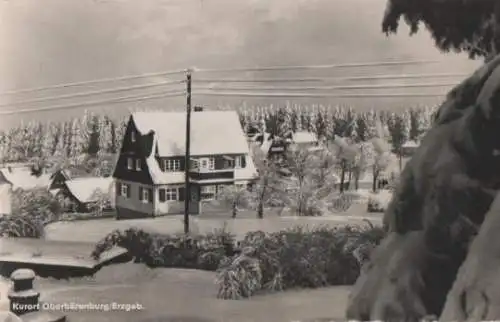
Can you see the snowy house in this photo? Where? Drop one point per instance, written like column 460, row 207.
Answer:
column 23, row 178
column 5, row 195
column 85, row 192
column 149, row 173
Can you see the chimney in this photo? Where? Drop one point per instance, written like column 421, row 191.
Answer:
column 198, row 109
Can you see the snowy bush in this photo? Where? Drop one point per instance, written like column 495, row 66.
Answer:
column 378, row 202
column 296, row 258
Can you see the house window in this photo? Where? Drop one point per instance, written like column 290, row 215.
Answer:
column 124, row 190
column 138, row 164
column 169, row 194
column 207, row 192
column 171, row 165
column 132, row 136
column 207, row 163
column 238, row 161
column 130, row 163
column 145, row 195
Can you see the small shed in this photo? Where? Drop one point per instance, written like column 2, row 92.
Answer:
column 5, row 195
column 84, row 192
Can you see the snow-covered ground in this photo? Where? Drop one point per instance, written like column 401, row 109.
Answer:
column 186, row 295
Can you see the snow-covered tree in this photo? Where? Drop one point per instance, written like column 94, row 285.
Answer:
column 77, row 142
column 106, row 136
column 234, row 197
column 399, row 131
column 300, row 192
column 121, row 127
column 265, row 188
column 363, row 160
column 345, row 154
column 60, row 149
column 321, row 123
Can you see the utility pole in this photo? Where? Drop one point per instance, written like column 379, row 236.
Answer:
column 187, row 165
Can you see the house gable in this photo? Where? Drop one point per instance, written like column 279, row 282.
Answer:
column 135, row 147
column 58, row 179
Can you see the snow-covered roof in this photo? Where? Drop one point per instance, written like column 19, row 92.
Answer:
column 87, row 189
column 304, row 137
column 212, row 132
column 22, row 178
column 411, row 144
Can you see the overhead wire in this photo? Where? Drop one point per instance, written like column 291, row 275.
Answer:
column 348, row 87
column 173, row 72
column 322, row 79
column 125, row 99
column 211, row 92
column 95, row 81
column 302, row 67
column 90, row 93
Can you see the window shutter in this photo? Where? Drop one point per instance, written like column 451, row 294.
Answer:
column 182, row 164
column 162, row 195
column 118, row 188
column 182, row 193
column 128, row 191
column 243, row 161
column 140, row 193
column 150, row 195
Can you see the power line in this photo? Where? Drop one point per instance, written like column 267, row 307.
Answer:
column 173, row 72
column 124, row 99
column 95, row 81
column 330, row 66
column 107, row 91
column 243, row 94
column 324, row 79
column 291, row 88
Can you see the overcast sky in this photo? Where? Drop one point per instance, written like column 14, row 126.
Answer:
column 45, row 42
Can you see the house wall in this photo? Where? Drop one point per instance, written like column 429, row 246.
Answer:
column 5, row 199
column 168, row 207
column 132, row 207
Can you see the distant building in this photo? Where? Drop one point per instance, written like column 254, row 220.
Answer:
column 83, row 193
column 276, row 147
column 409, row 147
column 60, row 176
column 149, row 173
column 23, row 178
column 5, row 195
